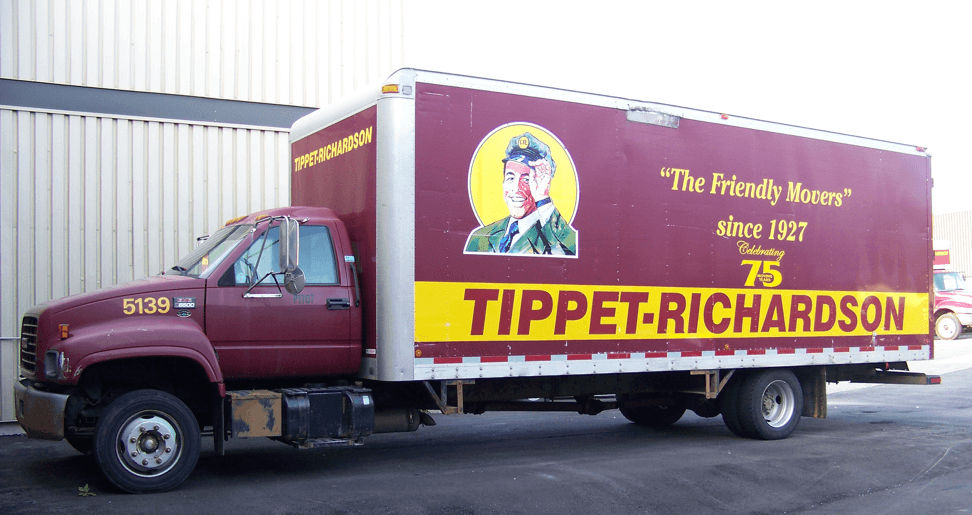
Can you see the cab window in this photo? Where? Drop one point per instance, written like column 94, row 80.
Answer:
column 316, row 259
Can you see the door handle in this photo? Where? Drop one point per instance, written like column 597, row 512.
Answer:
column 338, row 304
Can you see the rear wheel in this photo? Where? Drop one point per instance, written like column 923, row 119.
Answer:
column 769, row 404
column 948, row 327
column 729, row 405
column 147, row 441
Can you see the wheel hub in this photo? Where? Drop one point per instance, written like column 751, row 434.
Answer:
column 778, row 404
column 147, row 444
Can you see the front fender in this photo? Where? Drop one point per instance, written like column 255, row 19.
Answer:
column 134, row 338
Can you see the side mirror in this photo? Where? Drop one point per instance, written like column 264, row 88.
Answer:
column 294, row 281
column 289, row 245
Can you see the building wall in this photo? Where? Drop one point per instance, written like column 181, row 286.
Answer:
column 130, row 127
column 956, row 228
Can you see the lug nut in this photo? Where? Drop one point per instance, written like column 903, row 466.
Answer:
column 155, row 428
column 168, row 449
column 158, row 461
column 134, row 453
column 166, row 436
column 132, row 440
column 141, row 430
column 144, row 462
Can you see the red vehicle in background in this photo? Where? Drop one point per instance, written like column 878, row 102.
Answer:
column 953, row 304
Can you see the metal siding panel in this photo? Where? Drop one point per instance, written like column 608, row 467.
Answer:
column 76, row 204
column 42, row 208
column 9, row 291
column 75, row 29
column 108, row 208
column 156, row 46
column 43, row 53
column 226, row 183
column 264, row 73
column 243, row 38
column 197, row 169
column 140, row 235
column 124, row 203
column 25, row 215
column 90, row 265
column 169, row 188
column 59, row 38
column 290, row 53
column 184, row 42
column 334, row 53
column 198, row 50
column 59, row 202
column 108, row 61
column 9, row 254
column 213, row 214
column 91, row 36
column 154, row 153
column 140, row 47
column 269, row 162
column 347, row 47
column 23, row 37
column 227, row 58
column 8, row 40
column 185, row 194
column 213, row 48
column 170, row 48
column 123, row 30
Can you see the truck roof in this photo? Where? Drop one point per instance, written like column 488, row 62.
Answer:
column 313, row 215
column 406, row 78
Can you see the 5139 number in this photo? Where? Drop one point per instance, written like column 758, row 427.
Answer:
column 146, row 306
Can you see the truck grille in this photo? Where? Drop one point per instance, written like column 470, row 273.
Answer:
column 28, row 344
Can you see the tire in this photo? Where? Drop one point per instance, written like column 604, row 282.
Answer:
column 729, row 404
column 769, row 403
column 82, row 444
column 948, row 327
column 161, row 433
column 657, row 417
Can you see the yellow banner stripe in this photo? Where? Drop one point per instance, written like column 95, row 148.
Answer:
column 446, row 312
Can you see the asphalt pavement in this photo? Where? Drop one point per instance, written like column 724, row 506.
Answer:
column 890, row 449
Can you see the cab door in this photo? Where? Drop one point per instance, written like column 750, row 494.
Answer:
column 266, row 332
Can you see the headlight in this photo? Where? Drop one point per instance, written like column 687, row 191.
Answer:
column 55, row 365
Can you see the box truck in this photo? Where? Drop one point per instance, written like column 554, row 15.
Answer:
column 463, row 245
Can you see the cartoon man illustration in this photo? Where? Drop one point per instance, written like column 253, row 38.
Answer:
column 534, row 226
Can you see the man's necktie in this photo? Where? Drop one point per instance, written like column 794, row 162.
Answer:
column 508, row 239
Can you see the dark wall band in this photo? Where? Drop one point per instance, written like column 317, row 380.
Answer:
column 59, row 97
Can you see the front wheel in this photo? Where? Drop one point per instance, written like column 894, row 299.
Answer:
column 147, row 441
column 769, row 404
column 948, row 327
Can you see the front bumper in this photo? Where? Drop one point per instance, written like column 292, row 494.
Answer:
column 40, row 413
column 965, row 319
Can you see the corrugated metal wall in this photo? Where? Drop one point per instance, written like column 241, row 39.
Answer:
column 91, row 200
column 296, row 52
column 957, row 229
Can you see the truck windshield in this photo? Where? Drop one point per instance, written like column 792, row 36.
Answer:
column 204, row 258
column 949, row 281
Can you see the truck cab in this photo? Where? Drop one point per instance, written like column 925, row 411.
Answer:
column 237, row 312
column 953, row 304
